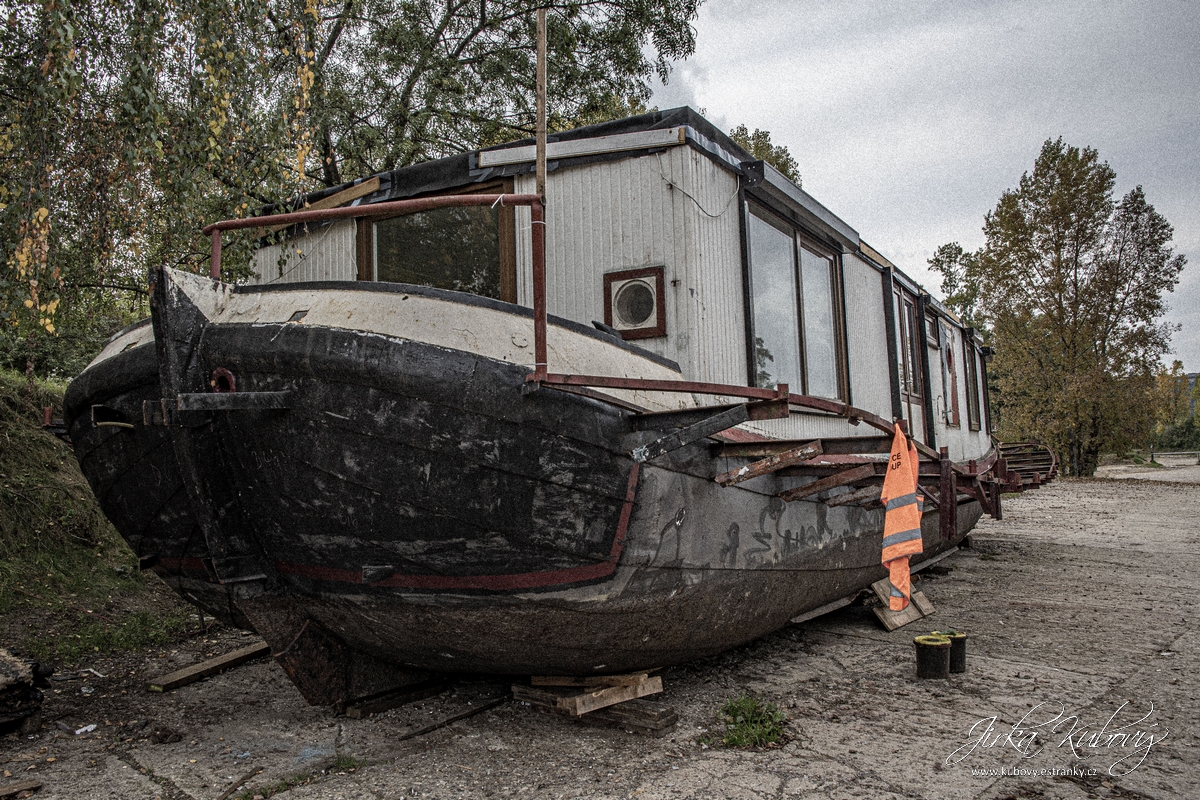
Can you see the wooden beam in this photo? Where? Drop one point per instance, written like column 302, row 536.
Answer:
column 823, row 610
column 577, row 704
column 684, row 436
column 397, row 697
column 947, row 497
column 770, row 464
column 841, row 479
column 337, row 199
column 204, row 669
column 865, row 494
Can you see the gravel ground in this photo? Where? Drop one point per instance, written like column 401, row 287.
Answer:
column 1083, row 659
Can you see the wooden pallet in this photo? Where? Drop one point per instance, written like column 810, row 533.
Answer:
column 566, row 697
column 604, row 699
column 920, row 606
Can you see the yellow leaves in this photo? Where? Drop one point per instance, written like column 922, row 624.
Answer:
column 28, row 303
column 40, row 215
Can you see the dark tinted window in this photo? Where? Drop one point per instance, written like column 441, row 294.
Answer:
column 446, row 248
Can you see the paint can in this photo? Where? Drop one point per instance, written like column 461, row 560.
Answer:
column 933, row 656
column 958, row 649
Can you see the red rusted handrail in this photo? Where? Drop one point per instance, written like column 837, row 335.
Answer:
column 750, row 392
column 394, row 207
column 538, row 235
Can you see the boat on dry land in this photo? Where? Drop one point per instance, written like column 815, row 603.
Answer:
column 385, row 454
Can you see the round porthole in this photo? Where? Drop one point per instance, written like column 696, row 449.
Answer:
column 634, row 304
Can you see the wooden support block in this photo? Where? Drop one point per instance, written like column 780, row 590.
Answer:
column 840, row 479
column 591, row 681
column 396, row 697
column 576, row 704
column 923, row 603
column 582, row 704
column 769, row 464
column 14, row 789
column 643, row 716
column 204, row 669
column 919, row 606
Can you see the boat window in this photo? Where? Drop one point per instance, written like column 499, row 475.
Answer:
column 446, row 248
column 820, row 324
column 773, row 304
column 795, row 310
column 467, row 249
column 910, row 354
column 971, row 359
column 949, row 347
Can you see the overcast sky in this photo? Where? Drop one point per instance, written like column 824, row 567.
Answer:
column 909, row 119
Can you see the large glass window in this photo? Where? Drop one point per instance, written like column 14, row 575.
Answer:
column 447, row 248
column 795, row 311
column 820, row 323
column 773, row 297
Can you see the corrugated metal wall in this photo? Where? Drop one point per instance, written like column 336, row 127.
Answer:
column 676, row 208
column 327, row 254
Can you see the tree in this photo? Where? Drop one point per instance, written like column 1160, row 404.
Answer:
column 1172, row 401
column 124, row 127
column 403, row 81
column 758, row 144
column 1070, row 286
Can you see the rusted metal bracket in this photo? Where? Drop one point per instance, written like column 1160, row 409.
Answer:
column 769, row 464
column 947, row 497
column 684, row 436
column 755, row 410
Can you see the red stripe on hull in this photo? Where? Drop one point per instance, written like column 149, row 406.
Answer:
column 523, row 580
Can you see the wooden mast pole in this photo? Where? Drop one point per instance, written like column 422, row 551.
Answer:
column 541, row 104
column 537, row 211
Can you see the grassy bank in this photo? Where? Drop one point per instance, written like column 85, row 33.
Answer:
column 69, row 585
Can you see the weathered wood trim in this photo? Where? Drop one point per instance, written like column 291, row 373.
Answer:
column 769, row 464
column 840, row 479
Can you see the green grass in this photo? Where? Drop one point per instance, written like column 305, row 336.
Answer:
column 82, row 635
column 345, row 763
column 749, row 722
column 63, row 567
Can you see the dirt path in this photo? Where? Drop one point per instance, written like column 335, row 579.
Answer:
column 1081, row 610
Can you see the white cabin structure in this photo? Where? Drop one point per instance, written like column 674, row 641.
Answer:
column 661, row 227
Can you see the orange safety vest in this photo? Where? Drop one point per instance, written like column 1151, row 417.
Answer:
column 902, row 520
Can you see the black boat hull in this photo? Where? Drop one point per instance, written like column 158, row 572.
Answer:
column 375, row 498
